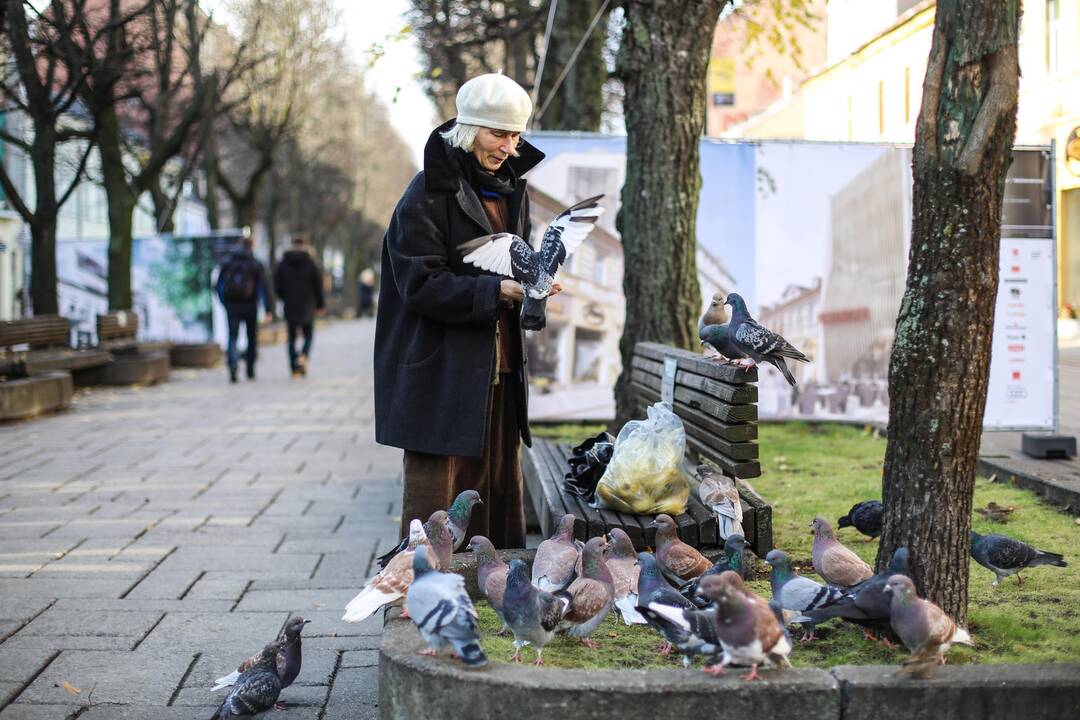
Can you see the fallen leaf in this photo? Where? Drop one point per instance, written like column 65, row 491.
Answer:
column 70, row 688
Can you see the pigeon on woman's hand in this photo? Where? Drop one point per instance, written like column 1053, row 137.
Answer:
column 287, row 661
column 622, row 563
column 533, row 615
column 866, row 517
column 511, row 256
column 757, row 342
column 459, row 513
column 255, row 690
column 749, row 630
column 923, row 627
column 834, row 562
column 1004, row 556
column 719, row 493
column 442, row 611
column 553, row 564
column 591, row 595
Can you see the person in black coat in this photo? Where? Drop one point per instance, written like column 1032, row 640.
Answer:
column 451, row 386
column 298, row 282
column 241, row 286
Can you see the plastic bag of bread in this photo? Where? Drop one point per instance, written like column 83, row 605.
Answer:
column 644, row 476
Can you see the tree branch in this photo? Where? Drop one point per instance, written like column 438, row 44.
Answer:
column 12, row 194
column 926, row 125
column 78, row 175
column 999, row 101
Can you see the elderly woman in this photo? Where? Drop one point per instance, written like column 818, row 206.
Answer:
column 450, row 380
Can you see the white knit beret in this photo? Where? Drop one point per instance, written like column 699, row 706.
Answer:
column 493, row 101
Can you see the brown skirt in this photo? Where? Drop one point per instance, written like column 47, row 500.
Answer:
column 433, row 481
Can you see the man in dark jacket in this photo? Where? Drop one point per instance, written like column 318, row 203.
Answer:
column 241, row 286
column 450, row 378
column 298, row 282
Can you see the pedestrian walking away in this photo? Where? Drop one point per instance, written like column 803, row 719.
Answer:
column 298, row 282
column 241, row 286
column 450, row 368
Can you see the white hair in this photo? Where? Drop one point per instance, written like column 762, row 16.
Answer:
column 463, row 136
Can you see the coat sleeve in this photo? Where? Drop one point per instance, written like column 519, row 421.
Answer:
column 317, row 286
column 416, row 246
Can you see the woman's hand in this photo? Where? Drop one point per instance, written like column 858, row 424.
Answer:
column 556, row 288
column 510, row 292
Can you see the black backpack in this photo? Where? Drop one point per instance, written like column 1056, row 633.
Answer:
column 241, row 275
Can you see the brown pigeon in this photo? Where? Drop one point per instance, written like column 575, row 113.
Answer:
column 591, row 595
column 678, row 561
column 622, row 563
column 748, row 627
column 834, row 562
column 924, row 628
column 553, row 564
column 491, row 571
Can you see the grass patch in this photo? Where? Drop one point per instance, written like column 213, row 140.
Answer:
column 818, row 469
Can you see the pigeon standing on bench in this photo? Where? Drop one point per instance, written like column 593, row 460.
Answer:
column 256, row 689
column 287, row 659
column 1005, row 556
column 714, row 333
column 459, row 514
column 511, row 256
column 866, row 517
column 759, row 343
column 678, row 560
column 719, row 493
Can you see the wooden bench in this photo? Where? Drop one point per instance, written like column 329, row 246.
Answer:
column 716, row 403
column 38, row 345
column 117, row 331
column 134, row 362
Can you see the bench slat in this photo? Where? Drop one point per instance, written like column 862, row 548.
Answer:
column 740, row 469
column 695, row 363
column 734, row 394
column 719, row 410
column 735, row 451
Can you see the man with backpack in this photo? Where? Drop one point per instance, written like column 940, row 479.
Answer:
column 241, row 286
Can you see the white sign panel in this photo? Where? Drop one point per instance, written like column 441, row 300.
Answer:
column 1021, row 390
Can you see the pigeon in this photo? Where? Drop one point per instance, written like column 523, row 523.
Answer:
column 459, row 513
column 759, row 343
column 678, row 561
column 792, row 591
column 533, row 615
column 653, row 589
column 733, row 558
column 490, row 573
column 749, row 629
column 1004, row 556
column 923, row 627
column 622, row 564
column 255, row 690
column 714, row 333
column 834, row 562
column 391, row 584
column 553, row 564
column 691, row 631
column 511, row 256
column 591, row 595
column 442, row 611
column 865, row 517
column 864, row 604
column 287, row 660
column 719, row 493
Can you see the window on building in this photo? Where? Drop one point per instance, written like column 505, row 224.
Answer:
column 907, row 95
column 600, row 270
column 1053, row 34
column 585, row 182
column 881, row 107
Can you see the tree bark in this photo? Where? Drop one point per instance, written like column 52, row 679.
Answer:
column 43, row 291
column 940, row 361
column 121, row 207
column 663, row 58
column 579, row 101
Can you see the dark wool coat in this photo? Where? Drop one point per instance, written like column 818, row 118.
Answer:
column 435, row 330
column 298, row 282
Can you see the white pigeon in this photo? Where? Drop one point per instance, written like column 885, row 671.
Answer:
column 719, row 494
column 512, row 256
column 442, row 611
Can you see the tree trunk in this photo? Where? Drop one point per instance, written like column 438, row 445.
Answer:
column 663, row 57
column 43, row 294
column 164, row 209
column 579, row 102
column 210, row 172
column 121, row 205
column 941, row 355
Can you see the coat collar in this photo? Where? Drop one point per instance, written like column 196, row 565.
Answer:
column 440, row 173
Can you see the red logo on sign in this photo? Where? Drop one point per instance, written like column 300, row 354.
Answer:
column 1016, row 268
column 1016, row 375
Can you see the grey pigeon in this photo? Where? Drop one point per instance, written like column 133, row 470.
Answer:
column 591, row 595
column 533, row 615
column 715, row 334
column 759, row 343
column 654, row 589
column 865, row 604
column 256, row 689
column 288, row 659
column 511, row 256
column 442, row 611
column 834, row 562
column 1004, row 556
column 459, row 513
column 923, row 627
column 792, row 591
column 491, row 573
column 733, row 558
column 866, row 517
column 553, row 564
column 749, row 629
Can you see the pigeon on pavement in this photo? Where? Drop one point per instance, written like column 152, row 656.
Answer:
column 759, row 343
column 533, row 615
column 678, row 561
column 749, row 630
column 553, row 564
column 733, row 558
column 287, row 660
column 491, row 573
column 792, row 591
column 256, row 689
column 865, row 517
column 719, row 493
column 1004, row 556
column 834, row 562
column 511, row 256
column 622, row 563
column 442, row 611
column 923, row 627
column 459, row 514
column 591, row 595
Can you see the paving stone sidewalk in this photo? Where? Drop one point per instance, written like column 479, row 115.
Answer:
column 152, row 538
